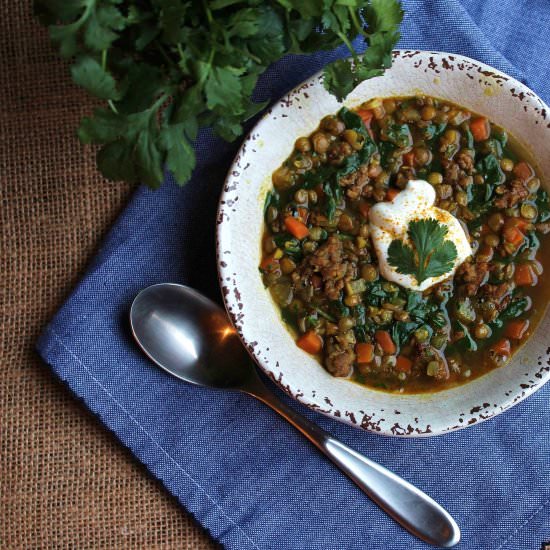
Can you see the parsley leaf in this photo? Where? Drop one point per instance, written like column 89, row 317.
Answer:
column 180, row 158
column 166, row 68
column 382, row 18
column 89, row 74
column 401, row 256
column 432, row 255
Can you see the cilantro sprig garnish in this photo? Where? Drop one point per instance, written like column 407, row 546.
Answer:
column 166, row 68
column 430, row 256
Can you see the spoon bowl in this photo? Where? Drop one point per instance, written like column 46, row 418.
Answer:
column 189, row 336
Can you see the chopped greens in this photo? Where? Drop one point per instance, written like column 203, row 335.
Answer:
column 516, row 308
column 400, row 135
column 466, row 342
column 489, row 168
column 433, row 131
column 401, row 331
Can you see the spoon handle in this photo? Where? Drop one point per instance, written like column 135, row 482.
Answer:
column 405, row 503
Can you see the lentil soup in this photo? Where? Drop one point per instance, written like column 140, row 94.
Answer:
column 323, row 271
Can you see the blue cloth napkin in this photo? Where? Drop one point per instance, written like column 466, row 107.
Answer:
column 245, row 474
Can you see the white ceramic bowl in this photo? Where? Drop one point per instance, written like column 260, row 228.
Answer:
column 240, row 224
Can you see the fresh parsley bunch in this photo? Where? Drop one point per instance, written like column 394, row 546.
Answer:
column 165, row 68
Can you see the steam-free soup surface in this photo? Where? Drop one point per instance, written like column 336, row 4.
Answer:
column 320, row 265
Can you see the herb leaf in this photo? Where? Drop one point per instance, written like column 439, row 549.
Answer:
column 442, row 260
column 180, row 158
column 383, row 18
column 432, row 255
column 89, row 74
column 401, row 256
column 166, row 68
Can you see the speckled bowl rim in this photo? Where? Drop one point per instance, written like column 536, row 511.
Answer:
column 228, row 274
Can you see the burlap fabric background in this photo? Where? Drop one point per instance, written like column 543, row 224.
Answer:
column 64, row 481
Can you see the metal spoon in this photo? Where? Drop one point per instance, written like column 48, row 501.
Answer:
column 191, row 337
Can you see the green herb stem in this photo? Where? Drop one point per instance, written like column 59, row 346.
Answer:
column 356, row 23
column 349, row 45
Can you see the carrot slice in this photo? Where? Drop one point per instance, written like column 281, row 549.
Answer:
column 392, row 193
column 403, row 364
column 480, row 128
column 513, row 235
column 366, row 116
column 408, row 158
column 386, row 343
column 523, row 171
column 517, row 328
column 310, row 342
column 521, row 223
column 502, row 347
column 364, row 352
column 296, row 227
column 269, row 263
column 524, row 276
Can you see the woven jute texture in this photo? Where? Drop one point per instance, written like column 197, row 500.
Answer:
column 64, row 481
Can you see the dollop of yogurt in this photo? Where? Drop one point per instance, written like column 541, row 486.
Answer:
column 390, row 220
